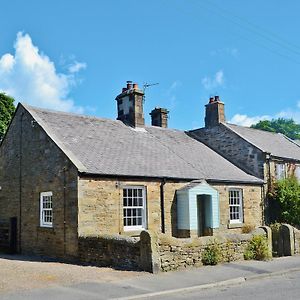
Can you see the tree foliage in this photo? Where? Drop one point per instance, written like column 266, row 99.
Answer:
column 7, row 109
column 287, row 127
column 287, row 194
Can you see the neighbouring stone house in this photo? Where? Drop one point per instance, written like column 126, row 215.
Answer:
column 266, row 155
column 66, row 176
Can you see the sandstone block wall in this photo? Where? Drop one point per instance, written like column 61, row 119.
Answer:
column 101, row 211
column 297, row 240
column 233, row 147
column 181, row 253
column 101, row 206
column 110, row 250
column 155, row 253
column 30, row 163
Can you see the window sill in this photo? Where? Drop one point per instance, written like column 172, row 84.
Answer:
column 235, row 225
column 132, row 233
column 45, row 229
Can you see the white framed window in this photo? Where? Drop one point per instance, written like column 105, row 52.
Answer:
column 134, row 208
column 46, row 211
column 280, row 171
column 236, row 206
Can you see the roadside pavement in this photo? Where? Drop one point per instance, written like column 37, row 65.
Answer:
column 147, row 286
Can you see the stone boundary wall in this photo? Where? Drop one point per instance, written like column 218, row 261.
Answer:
column 110, row 251
column 181, row 253
column 297, row 240
column 155, row 253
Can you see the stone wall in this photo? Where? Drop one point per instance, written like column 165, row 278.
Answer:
column 101, row 205
column 101, row 211
column 297, row 240
column 233, row 147
column 159, row 252
column 110, row 250
column 31, row 163
column 181, row 253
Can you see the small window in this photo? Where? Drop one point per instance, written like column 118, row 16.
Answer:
column 134, row 208
column 235, row 206
column 46, row 212
column 280, row 171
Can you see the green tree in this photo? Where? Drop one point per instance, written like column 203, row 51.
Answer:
column 287, row 194
column 7, row 109
column 287, row 127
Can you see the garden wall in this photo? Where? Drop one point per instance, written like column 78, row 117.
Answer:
column 110, row 250
column 180, row 253
column 155, row 253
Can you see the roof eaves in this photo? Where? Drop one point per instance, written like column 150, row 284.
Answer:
column 78, row 164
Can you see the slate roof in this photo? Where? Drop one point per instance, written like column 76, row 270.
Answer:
column 109, row 147
column 275, row 143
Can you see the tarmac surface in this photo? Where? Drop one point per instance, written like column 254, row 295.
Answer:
column 140, row 285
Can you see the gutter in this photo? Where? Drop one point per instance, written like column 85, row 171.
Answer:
column 145, row 177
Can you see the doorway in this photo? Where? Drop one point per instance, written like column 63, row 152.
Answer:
column 202, row 209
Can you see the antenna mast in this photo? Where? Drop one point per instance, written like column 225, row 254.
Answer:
column 146, row 85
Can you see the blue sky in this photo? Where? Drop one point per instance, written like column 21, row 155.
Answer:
column 76, row 55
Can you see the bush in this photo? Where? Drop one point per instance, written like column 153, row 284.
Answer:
column 247, row 228
column 257, row 248
column 212, row 254
column 287, row 194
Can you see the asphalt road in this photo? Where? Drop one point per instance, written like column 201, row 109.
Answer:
column 274, row 288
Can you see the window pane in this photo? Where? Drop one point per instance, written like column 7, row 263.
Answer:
column 132, row 199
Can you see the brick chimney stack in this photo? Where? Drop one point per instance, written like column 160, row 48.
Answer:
column 130, row 105
column 214, row 112
column 159, row 117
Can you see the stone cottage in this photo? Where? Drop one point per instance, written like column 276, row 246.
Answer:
column 266, row 155
column 65, row 176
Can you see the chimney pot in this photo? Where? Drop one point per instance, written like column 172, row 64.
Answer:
column 211, row 99
column 217, row 98
column 135, row 86
column 129, row 85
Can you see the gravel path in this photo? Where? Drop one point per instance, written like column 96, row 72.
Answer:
column 23, row 273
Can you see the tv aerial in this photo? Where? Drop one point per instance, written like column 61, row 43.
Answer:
column 147, row 85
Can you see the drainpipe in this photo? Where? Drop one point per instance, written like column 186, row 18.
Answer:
column 162, row 205
column 65, row 239
column 20, row 180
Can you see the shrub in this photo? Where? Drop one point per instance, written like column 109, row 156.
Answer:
column 287, row 194
column 257, row 248
column 247, row 228
column 211, row 254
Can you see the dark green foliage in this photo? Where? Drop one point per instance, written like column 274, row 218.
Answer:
column 7, row 109
column 287, row 194
column 211, row 254
column 257, row 248
column 287, row 127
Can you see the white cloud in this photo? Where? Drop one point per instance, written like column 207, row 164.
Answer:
column 171, row 94
column 247, row 121
column 76, row 67
column 30, row 76
column 287, row 113
column 211, row 83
